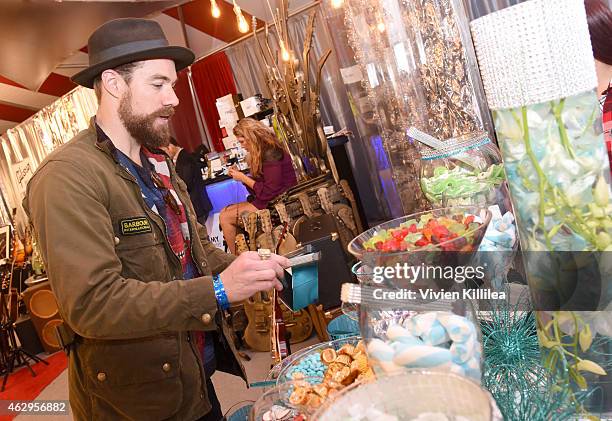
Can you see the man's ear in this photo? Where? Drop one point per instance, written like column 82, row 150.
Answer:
column 113, row 83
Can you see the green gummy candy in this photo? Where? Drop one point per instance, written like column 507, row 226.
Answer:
column 438, row 171
column 457, row 228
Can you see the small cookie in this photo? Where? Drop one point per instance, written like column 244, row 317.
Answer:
column 328, row 356
column 342, row 375
column 343, row 359
column 320, row 390
column 347, row 349
column 298, row 396
column 313, row 400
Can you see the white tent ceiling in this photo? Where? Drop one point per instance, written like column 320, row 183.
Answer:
column 43, row 41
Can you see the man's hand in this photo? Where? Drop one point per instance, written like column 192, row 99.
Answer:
column 249, row 274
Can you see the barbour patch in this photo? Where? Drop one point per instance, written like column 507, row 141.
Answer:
column 133, row 226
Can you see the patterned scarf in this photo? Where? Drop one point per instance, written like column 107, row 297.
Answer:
column 175, row 218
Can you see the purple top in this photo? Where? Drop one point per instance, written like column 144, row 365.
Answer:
column 277, row 176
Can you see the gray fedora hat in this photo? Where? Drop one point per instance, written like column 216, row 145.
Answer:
column 126, row 40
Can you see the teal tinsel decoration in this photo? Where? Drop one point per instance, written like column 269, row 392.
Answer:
column 513, row 372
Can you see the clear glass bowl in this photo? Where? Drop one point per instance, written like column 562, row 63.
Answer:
column 285, row 373
column 412, row 394
column 279, row 400
column 466, row 243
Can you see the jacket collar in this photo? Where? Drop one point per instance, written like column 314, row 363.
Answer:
column 103, row 142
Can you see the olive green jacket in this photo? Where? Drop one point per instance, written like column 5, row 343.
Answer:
column 118, row 286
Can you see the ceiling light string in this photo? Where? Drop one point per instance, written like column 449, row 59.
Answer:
column 280, row 34
column 243, row 24
column 214, row 9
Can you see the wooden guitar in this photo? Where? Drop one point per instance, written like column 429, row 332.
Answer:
column 28, row 242
column 279, row 343
column 348, row 193
column 343, row 215
column 250, row 226
column 265, row 240
column 241, row 244
column 260, row 310
column 18, row 254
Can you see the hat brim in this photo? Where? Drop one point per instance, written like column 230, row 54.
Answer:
column 181, row 56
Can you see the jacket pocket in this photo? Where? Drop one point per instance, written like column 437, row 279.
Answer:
column 142, row 255
column 134, row 379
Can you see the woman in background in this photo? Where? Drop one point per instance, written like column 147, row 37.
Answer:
column 599, row 17
column 271, row 174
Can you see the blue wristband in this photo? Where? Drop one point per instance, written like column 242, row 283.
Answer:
column 220, row 293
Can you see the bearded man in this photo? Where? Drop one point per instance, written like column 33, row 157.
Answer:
column 136, row 280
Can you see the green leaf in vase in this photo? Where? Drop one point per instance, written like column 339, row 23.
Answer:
column 591, row 367
column 585, row 338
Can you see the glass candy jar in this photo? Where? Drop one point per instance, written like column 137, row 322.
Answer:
column 292, row 400
column 467, row 170
column 439, row 335
column 413, row 312
column 414, row 395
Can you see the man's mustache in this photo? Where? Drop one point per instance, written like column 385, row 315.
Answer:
column 164, row 112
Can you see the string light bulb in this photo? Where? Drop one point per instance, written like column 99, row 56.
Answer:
column 285, row 56
column 243, row 25
column 214, row 9
column 336, row 4
column 381, row 27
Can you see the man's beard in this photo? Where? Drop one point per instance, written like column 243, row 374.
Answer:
column 142, row 127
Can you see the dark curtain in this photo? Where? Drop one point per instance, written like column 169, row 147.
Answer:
column 184, row 122
column 213, row 78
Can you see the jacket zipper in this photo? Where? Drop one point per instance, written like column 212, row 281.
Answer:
column 198, row 360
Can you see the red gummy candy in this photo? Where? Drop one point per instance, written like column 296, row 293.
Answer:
column 440, row 231
column 422, row 242
column 398, row 235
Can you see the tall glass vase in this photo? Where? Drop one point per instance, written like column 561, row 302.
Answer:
column 413, row 65
column 541, row 91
